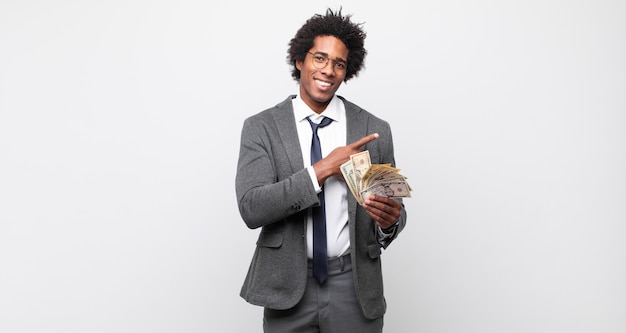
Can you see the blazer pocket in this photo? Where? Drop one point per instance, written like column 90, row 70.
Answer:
column 270, row 239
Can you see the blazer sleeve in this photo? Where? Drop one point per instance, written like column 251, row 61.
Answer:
column 268, row 187
column 385, row 154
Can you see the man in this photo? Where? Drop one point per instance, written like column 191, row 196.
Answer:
column 282, row 189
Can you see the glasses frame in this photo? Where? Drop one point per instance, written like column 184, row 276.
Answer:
column 335, row 69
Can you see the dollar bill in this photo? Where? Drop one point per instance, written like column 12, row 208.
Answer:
column 360, row 163
column 348, row 174
column 393, row 189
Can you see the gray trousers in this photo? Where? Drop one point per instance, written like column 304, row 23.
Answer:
column 328, row 308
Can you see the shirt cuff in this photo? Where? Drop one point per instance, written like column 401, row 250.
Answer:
column 313, row 176
column 384, row 239
column 389, row 231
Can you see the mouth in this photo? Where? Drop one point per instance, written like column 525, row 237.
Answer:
column 323, row 85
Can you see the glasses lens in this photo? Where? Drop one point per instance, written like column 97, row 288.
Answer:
column 319, row 60
column 340, row 67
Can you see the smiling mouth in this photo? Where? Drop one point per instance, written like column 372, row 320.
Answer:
column 323, row 84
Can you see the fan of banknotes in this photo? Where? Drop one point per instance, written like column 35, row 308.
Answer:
column 364, row 179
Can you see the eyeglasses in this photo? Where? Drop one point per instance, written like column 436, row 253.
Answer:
column 320, row 60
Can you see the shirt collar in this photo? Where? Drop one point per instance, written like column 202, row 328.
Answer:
column 302, row 111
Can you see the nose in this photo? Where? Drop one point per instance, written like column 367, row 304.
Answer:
column 328, row 69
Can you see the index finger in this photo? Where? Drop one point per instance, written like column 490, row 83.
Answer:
column 362, row 141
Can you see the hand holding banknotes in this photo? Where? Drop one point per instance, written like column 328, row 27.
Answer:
column 375, row 186
column 377, row 201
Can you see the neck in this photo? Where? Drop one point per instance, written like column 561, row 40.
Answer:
column 317, row 107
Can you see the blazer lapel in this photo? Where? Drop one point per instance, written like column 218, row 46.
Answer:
column 356, row 129
column 356, row 124
column 285, row 120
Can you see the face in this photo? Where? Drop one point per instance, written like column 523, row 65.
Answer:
column 318, row 86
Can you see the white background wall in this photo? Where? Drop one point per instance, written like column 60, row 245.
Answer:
column 117, row 204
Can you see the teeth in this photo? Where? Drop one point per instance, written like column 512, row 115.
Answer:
column 323, row 83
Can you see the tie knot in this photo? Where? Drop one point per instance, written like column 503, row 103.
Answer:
column 325, row 122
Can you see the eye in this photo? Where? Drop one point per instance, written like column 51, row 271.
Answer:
column 340, row 65
column 319, row 58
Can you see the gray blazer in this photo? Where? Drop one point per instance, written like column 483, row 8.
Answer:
column 274, row 191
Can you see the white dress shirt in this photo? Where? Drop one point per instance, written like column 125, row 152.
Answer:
column 335, row 190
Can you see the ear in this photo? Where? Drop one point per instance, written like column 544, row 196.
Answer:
column 299, row 65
